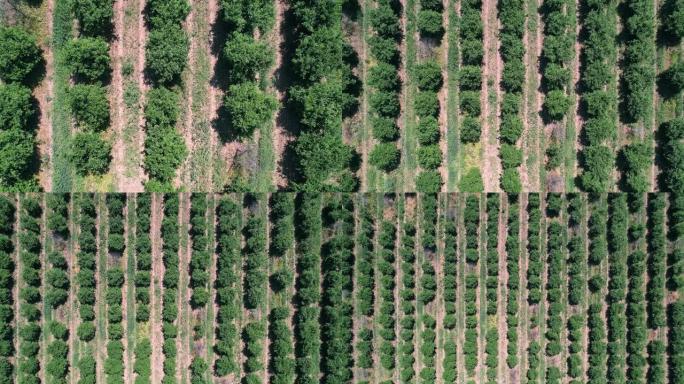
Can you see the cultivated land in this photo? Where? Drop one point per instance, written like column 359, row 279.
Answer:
column 438, row 288
column 335, row 96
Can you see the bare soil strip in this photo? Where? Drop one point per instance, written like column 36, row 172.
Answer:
column 118, row 121
column 184, row 175
column 491, row 164
column 72, row 303
column 44, row 94
column 281, row 136
column 502, row 326
column 516, row 373
column 155, row 322
column 443, row 96
column 129, row 248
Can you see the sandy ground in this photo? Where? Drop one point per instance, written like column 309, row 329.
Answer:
column 139, row 70
column 403, row 104
column 215, row 93
column 74, row 230
column 157, row 273
column 183, row 176
column 44, row 95
column 183, row 340
column 502, row 326
column 118, row 113
column 438, row 303
column 491, row 164
column 523, row 327
column 579, row 122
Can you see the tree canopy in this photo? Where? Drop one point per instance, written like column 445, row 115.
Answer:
column 248, row 108
column 19, row 54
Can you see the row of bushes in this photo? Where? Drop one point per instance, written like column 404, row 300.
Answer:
column 637, row 336
column 337, row 309
column 20, row 58
column 638, row 72
column 170, row 245
column 384, row 79
column 166, row 56
column 281, row 347
column 429, row 81
column 511, row 34
column 143, row 267
column 449, row 273
column 471, row 219
column 617, row 285
column 200, row 259
column 227, row 282
column 114, row 365
column 247, row 105
column 557, row 53
column 598, row 250
column 86, row 258
column 255, row 286
column 87, row 58
column 306, row 325
column 556, row 235
column 576, row 270
column 676, row 341
column 428, row 242
column 657, row 261
column 513, row 283
column 7, row 283
column 57, row 280
column 428, row 349
column 322, row 94
column 365, row 282
column 407, row 301
column 598, row 100
column 534, row 280
column 492, row 286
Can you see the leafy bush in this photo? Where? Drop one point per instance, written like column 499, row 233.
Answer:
column 556, row 104
column 429, row 156
column 385, row 156
column 161, row 13
column 470, row 130
column 430, row 23
column 248, row 108
column 19, row 55
column 428, row 182
column 90, row 106
column 90, row 154
column 166, row 54
column 17, row 151
column 426, row 104
column 383, row 77
column 246, row 57
column 428, row 76
column 88, row 59
column 16, row 107
column 94, row 16
column 384, row 129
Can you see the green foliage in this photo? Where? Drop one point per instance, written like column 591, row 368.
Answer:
column 161, row 13
column 248, row 108
column 88, row 59
column 385, row 156
column 675, row 76
column 318, row 55
column 429, row 181
column 384, row 129
column 426, row 104
column 383, row 77
column 90, row 154
column 166, row 54
column 470, row 130
column 428, row 76
column 17, row 151
column 19, row 55
column 430, row 23
column 246, row 58
column 556, row 104
column 90, row 106
column 94, row 16
column 429, row 156
column 246, row 16
column 16, row 107
column 471, row 181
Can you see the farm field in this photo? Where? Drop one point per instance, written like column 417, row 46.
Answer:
column 341, row 95
column 335, row 288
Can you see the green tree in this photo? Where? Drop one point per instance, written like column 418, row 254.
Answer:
column 246, row 57
column 88, row 58
column 674, row 19
column 383, row 77
column 17, row 151
column 19, row 54
column 429, row 156
column 90, row 106
column 245, row 16
column 90, row 154
column 385, row 22
column 428, row 182
column 430, row 23
column 162, row 108
column 248, row 108
column 16, row 107
column 166, row 54
column 94, row 16
column 510, row 181
column 471, row 181
column 428, row 76
column 165, row 151
column 428, row 130
column 426, row 104
column 318, row 54
column 384, row 129
column 471, row 130
column 675, row 76
column 385, row 156
column 161, row 13
column 319, row 106
column 556, row 104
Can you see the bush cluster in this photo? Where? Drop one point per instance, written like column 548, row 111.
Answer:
column 281, row 347
column 87, row 58
column 143, row 267
column 170, row 245
column 407, row 293
column 337, row 267
column 387, row 273
column 364, row 288
column 638, row 76
column 7, row 283
column 57, row 280
column 227, row 282
column 617, row 286
column 491, row 285
column 598, row 102
column 471, row 217
column 512, row 19
column 200, row 259
column 513, row 284
column 114, row 364
column 86, row 258
column 306, row 325
column 323, row 93
column 248, row 106
column 20, row 57
column 556, row 234
column 428, row 349
column 657, row 262
column 166, row 56
column 384, row 79
column 577, row 257
column 676, row 341
column 534, row 266
column 557, row 54
column 450, row 270
column 637, row 336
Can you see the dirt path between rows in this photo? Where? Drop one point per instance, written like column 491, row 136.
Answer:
column 44, row 94
column 402, row 122
column 155, row 327
column 502, row 296
column 183, row 322
column 127, row 363
column 184, row 175
column 443, row 96
column 281, row 136
column 516, row 373
column 73, row 262
column 118, row 113
column 491, row 167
